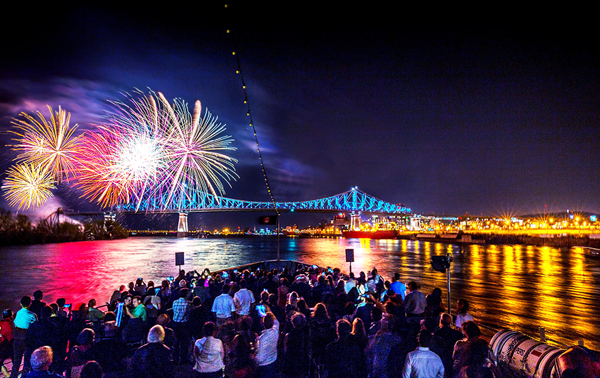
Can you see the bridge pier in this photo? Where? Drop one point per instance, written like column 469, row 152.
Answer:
column 182, row 227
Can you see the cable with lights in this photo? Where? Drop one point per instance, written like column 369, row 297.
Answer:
column 249, row 114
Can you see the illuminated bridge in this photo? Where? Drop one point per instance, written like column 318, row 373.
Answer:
column 353, row 200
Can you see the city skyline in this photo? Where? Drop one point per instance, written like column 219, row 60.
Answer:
column 446, row 118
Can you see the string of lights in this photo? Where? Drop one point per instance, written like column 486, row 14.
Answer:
column 249, row 114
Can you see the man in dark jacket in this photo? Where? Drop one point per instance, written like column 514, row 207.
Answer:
column 153, row 359
column 443, row 342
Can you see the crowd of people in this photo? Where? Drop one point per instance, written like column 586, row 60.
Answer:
column 310, row 322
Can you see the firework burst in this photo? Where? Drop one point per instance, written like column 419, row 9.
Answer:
column 153, row 152
column 28, row 185
column 50, row 144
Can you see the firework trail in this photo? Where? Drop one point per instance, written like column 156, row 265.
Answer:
column 48, row 143
column 28, row 185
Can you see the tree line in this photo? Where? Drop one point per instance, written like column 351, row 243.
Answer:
column 19, row 230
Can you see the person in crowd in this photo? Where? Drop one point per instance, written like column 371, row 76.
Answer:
column 209, row 353
column 296, row 348
column 164, row 293
column 140, row 287
column 153, row 360
column 241, row 364
column 181, row 314
column 266, row 346
column 117, row 295
column 92, row 369
column 223, row 306
column 460, row 355
column 41, row 359
column 43, row 332
column 170, row 338
column 349, row 283
column 380, row 347
column 322, row 332
column 318, row 292
column 82, row 352
column 398, row 287
column 359, row 334
column 110, row 351
column 197, row 318
column 94, row 315
column 7, row 328
column 243, row 299
column 301, row 286
column 37, row 304
column 422, row 362
column 414, row 303
column 443, row 340
column 462, row 307
column 376, row 318
column 476, row 363
column 343, row 357
column 23, row 320
column 62, row 311
column 282, row 292
column 139, row 310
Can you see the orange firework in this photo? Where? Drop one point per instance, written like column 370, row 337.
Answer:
column 28, row 186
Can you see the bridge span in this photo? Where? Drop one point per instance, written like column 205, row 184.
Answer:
column 353, row 200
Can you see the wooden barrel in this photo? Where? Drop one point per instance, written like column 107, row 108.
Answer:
column 523, row 354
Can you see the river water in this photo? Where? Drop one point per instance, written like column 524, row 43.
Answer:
column 516, row 287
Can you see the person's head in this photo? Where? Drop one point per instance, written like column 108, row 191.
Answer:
column 26, row 301
column 293, row 298
column 86, row 337
column 396, row 277
column 38, row 295
column 183, row 293
column 150, row 284
column 122, row 288
column 320, row 311
column 471, row 329
column 268, row 320
column 109, row 316
column 41, row 358
column 445, row 320
column 165, row 284
column 226, row 289
column 92, row 303
column 424, row 338
column 156, row 334
column 136, row 301
column 91, row 369
column 358, row 327
column 45, row 312
column 61, row 302
column 264, row 296
column 343, row 328
column 412, row 286
column 54, row 308
column 196, row 301
column 463, row 306
column 163, row 320
column 7, row 314
column 127, row 300
column 209, row 329
column 182, row 283
column 298, row 320
column 243, row 284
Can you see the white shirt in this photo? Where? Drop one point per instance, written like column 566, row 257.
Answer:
column 243, row 299
column 349, row 285
column 266, row 345
column 423, row 363
column 461, row 318
column 210, row 358
column 223, row 306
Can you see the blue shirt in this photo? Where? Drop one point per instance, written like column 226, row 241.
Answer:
column 399, row 288
column 24, row 318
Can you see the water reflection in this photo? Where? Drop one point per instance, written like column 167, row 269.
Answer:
column 517, row 287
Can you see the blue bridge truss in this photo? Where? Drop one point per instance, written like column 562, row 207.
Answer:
column 352, row 200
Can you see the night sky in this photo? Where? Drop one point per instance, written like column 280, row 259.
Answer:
column 475, row 116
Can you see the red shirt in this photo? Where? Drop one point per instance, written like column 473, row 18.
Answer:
column 7, row 328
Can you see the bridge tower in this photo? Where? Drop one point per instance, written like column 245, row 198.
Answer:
column 182, row 227
column 354, row 221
